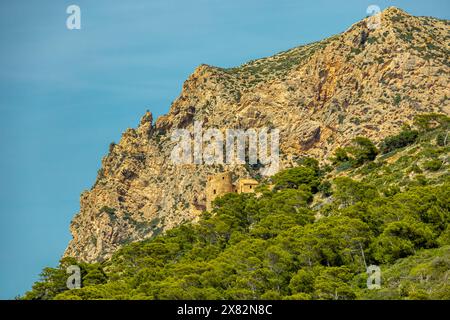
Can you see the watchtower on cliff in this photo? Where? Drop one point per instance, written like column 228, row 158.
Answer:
column 218, row 185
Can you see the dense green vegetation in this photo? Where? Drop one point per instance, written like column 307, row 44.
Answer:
column 361, row 151
column 308, row 233
column 403, row 139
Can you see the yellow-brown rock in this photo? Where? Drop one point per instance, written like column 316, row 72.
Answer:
column 320, row 96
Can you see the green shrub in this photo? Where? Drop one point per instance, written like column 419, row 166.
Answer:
column 397, row 100
column 432, row 165
column 363, row 150
column 442, row 139
column 108, row 210
column 340, row 156
column 430, row 121
column 295, row 177
column 325, row 188
column 403, row 139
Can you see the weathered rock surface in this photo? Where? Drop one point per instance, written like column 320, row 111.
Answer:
column 361, row 82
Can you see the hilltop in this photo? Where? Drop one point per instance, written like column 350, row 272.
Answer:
column 320, row 96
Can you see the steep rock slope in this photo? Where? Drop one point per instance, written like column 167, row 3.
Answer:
column 320, row 96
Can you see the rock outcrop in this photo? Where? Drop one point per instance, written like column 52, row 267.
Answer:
column 362, row 82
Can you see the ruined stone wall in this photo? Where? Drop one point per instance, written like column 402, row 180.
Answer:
column 246, row 185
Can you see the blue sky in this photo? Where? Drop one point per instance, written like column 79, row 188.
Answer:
column 65, row 95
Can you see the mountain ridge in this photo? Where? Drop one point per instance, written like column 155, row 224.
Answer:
column 358, row 83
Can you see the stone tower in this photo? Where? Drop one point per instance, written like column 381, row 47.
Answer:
column 216, row 186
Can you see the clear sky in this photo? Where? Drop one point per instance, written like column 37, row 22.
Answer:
column 65, row 95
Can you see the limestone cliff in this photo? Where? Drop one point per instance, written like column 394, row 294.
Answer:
column 361, row 82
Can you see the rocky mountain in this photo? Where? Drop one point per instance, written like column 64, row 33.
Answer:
column 365, row 81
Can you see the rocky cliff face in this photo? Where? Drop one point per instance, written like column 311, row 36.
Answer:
column 364, row 82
